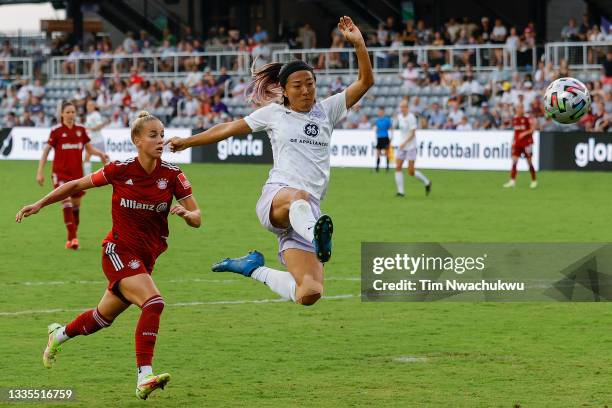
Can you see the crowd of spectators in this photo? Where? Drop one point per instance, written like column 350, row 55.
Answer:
column 469, row 100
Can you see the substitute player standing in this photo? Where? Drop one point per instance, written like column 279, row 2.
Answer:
column 407, row 150
column 68, row 140
column 383, row 127
column 300, row 129
column 143, row 189
column 524, row 127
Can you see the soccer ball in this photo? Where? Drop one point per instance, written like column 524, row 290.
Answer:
column 566, row 100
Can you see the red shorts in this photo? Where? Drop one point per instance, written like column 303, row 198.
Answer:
column 59, row 180
column 525, row 150
column 118, row 263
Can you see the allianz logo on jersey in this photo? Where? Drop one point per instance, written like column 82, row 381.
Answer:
column 72, row 146
column 136, row 205
column 239, row 147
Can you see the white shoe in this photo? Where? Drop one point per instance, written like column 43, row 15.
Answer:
column 510, row 183
column 53, row 346
column 533, row 184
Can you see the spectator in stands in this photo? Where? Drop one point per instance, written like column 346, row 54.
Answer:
column 239, row 89
column 37, row 89
column 261, row 54
column 35, row 106
column 409, row 35
column 307, row 37
column 10, row 101
column 471, row 91
column 607, row 69
column 193, row 77
column 487, row 119
column 383, row 37
column 452, row 30
column 423, row 34
column 69, row 65
column 191, row 106
column 11, row 120
column 436, row 118
column 222, row 78
column 336, row 86
column 463, row 124
column 410, row 76
column 364, row 123
column 483, row 31
column 353, row 116
column 41, row 120
column 455, row 113
column 260, row 35
column 415, row 106
column 26, row 119
column 570, row 32
column 218, row 105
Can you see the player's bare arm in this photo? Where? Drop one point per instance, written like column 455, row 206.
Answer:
column 64, row 191
column 40, row 173
column 365, row 77
column 95, row 152
column 188, row 210
column 215, row 134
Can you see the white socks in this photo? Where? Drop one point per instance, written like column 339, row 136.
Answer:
column 143, row 371
column 421, row 177
column 281, row 283
column 61, row 335
column 302, row 220
column 87, row 167
column 399, row 181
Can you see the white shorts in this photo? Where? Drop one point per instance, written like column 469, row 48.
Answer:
column 410, row 154
column 287, row 238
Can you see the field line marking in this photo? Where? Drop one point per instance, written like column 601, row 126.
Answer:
column 178, row 304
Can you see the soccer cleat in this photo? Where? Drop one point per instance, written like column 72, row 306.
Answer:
column 428, row 189
column 322, row 242
column 150, row 383
column 72, row 244
column 400, row 195
column 533, row 184
column 244, row 265
column 53, row 346
column 510, row 183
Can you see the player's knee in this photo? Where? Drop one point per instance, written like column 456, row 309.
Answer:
column 309, row 292
column 154, row 305
column 301, row 195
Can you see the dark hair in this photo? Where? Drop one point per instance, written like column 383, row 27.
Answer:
column 63, row 106
column 268, row 82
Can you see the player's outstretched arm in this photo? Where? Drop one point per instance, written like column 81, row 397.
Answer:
column 95, row 152
column 40, row 173
column 60, row 193
column 365, row 77
column 188, row 210
column 215, row 134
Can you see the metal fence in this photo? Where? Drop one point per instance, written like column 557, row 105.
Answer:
column 483, row 57
column 585, row 55
column 152, row 65
column 16, row 67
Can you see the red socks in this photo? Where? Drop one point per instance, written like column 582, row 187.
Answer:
column 146, row 330
column 513, row 171
column 86, row 323
column 532, row 171
column 75, row 214
column 69, row 221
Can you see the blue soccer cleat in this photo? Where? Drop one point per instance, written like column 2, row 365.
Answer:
column 244, row 266
column 322, row 241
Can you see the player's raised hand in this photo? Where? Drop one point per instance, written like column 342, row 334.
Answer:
column 40, row 178
column 176, row 144
column 350, row 31
column 27, row 211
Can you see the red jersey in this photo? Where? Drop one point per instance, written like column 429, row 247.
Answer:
column 521, row 124
column 68, row 144
column 141, row 203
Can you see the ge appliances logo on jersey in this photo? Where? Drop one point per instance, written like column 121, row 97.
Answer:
column 311, row 129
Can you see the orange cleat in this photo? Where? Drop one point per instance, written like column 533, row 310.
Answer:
column 72, row 244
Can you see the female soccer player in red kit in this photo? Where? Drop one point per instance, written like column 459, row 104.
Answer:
column 522, row 145
column 143, row 188
column 68, row 141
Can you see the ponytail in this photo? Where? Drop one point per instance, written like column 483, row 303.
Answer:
column 265, row 86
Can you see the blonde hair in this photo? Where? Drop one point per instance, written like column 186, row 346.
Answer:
column 138, row 123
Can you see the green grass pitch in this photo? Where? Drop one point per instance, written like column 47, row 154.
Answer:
column 223, row 349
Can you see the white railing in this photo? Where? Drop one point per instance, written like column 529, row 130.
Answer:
column 392, row 60
column 17, row 67
column 150, row 65
column 583, row 55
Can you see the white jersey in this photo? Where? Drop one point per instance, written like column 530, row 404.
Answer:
column 300, row 142
column 406, row 124
column 94, row 119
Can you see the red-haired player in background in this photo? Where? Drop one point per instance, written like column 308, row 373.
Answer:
column 524, row 127
column 143, row 189
column 68, row 140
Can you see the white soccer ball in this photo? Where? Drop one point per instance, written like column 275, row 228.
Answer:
column 566, row 100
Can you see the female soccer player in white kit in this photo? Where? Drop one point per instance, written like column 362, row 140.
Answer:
column 300, row 132
column 94, row 124
column 407, row 149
